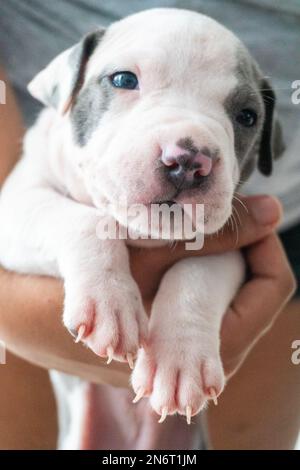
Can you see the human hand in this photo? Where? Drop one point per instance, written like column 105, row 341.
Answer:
column 260, row 300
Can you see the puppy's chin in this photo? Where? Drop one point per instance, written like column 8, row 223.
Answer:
column 189, row 214
column 215, row 220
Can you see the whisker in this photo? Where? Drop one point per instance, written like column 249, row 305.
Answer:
column 237, row 234
column 173, row 244
column 231, row 222
column 237, row 215
column 236, row 198
column 237, row 230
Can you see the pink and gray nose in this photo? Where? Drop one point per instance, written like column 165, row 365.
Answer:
column 186, row 167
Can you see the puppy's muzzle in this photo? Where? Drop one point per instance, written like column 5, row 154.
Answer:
column 187, row 168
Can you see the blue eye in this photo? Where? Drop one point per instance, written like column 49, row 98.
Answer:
column 125, row 80
column 247, row 117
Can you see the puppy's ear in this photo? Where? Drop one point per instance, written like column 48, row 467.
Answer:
column 271, row 144
column 58, row 84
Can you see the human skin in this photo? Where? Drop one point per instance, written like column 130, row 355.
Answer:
column 31, row 307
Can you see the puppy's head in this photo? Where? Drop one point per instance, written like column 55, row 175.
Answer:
column 165, row 105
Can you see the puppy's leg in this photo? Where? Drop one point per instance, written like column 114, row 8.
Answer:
column 102, row 301
column 181, row 366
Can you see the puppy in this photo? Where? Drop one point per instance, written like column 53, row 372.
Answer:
column 165, row 105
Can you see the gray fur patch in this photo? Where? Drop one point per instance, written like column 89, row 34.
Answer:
column 89, row 106
column 77, row 60
column 262, row 142
column 246, row 95
column 80, row 55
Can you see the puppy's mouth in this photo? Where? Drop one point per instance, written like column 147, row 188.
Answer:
column 170, row 199
column 171, row 204
column 168, row 202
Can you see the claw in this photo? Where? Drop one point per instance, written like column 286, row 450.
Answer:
column 129, row 358
column 213, row 395
column 80, row 333
column 139, row 395
column 109, row 353
column 188, row 412
column 164, row 414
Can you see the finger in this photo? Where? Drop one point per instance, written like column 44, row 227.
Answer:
column 259, row 301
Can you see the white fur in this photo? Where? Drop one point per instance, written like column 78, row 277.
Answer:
column 49, row 205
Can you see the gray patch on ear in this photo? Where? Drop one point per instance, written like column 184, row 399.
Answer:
column 85, row 48
column 271, row 145
column 80, row 56
column 89, row 107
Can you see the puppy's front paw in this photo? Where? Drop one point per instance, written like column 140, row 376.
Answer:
column 179, row 375
column 107, row 315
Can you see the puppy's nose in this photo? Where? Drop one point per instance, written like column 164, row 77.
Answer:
column 186, row 168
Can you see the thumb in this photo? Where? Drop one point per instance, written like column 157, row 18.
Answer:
column 253, row 218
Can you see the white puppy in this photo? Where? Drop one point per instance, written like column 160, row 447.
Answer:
column 165, row 105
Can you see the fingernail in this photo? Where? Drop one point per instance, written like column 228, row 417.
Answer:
column 265, row 210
